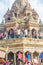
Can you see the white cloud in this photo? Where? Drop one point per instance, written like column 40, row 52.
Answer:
column 1, row 9
column 40, row 11
column 38, row 7
column 2, row 6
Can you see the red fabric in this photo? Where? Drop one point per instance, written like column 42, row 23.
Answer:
column 26, row 60
column 7, row 62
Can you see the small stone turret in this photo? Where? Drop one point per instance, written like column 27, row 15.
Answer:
column 35, row 15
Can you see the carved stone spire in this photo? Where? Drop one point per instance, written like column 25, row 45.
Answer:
column 20, row 3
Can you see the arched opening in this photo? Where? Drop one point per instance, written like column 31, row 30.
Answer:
column 11, row 56
column 36, row 57
column 11, row 33
column 19, row 57
column 27, row 56
column 34, row 33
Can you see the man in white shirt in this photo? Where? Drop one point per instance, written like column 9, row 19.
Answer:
column 18, row 33
column 26, row 32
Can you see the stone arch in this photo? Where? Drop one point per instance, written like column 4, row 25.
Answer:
column 28, row 52
column 11, row 56
column 34, row 33
column 19, row 56
column 11, row 33
column 35, row 57
column 18, row 52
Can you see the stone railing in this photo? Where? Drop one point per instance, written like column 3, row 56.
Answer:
column 21, row 41
column 11, row 41
column 32, row 41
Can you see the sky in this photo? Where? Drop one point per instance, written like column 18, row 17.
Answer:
column 36, row 4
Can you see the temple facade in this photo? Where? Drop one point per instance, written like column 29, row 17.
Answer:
column 21, row 34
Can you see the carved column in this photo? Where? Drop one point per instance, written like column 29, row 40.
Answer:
column 39, row 59
column 23, row 57
column 30, row 35
column 32, row 57
column 6, row 56
column 37, row 33
column 15, row 58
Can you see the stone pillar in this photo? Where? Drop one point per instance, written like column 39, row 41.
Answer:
column 23, row 57
column 32, row 57
column 30, row 35
column 37, row 33
column 39, row 59
column 15, row 58
column 17, row 15
column 6, row 56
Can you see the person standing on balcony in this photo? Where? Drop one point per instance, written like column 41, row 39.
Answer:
column 18, row 35
column 11, row 33
column 1, row 36
column 34, row 33
column 26, row 32
column 5, row 35
column 22, row 32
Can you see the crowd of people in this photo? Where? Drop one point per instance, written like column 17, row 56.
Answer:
column 20, row 60
column 7, row 62
column 18, row 33
column 18, row 63
column 27, row 59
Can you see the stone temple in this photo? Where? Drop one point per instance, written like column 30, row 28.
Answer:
column 21, row 36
